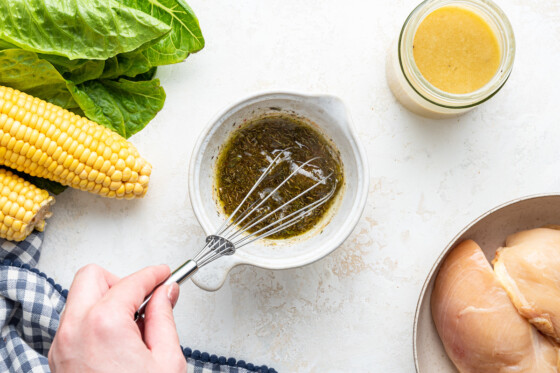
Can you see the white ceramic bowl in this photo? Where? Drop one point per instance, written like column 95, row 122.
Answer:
column 331, row 118
column 489, row 231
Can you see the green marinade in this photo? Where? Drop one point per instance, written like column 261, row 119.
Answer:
column 249, row 151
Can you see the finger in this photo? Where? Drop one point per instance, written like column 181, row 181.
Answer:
column 90, row 284
column 129, row 293
column 172, row 294
column 160, row 332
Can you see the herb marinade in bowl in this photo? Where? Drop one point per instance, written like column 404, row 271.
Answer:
column 250, row 150
column 325, row 115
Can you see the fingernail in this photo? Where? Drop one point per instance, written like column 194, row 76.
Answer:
column 173, row 293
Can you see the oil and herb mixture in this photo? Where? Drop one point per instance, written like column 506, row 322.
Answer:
column 251, row 149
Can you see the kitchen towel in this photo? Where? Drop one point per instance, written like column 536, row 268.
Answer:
column 30, row 308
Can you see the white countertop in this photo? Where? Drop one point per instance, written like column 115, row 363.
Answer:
column 354, row 310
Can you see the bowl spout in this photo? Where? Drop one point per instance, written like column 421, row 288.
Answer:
column 212, row 276
column 333, row 107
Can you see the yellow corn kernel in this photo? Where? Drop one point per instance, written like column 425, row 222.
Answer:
column 138, row 189
column 106, row 182
column 58, row 170
column 64, row 174
column 126, row 175
column 79, row 168
column 91, row 159
column 121, row 190
column 99, row 179
column 117, row 176
column 134, row 177
column 143, row 180
column 93, row 175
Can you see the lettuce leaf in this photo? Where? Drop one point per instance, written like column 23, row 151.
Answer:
column 127, row 64
column 123, row 105
column 185, row 36
column 25, row 71
column 5, row 45
column 148, row 75
column 78, row 71
column 88, row 29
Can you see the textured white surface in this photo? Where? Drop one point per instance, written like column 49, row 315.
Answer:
column 354, row 309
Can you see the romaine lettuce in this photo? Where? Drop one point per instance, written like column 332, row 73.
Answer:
column 89, row 29
column 185, row 37
column 24, row 71
column 123, row 105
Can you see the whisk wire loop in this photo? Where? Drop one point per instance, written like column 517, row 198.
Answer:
column 251, row 210
column 229, row 221
column 300, row 214
column 258, row 219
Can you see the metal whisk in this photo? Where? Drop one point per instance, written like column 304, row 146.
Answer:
column 233, row 234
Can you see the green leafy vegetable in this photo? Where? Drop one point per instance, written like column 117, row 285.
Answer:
column 127, row 64
column 5, row 45
column 78, row 71
column 89, row 29
column 148, row 75
column 185, row 37
column 125, row 106
column 24, row 71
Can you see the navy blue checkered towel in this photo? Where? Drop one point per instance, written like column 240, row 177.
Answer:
column 30, row 308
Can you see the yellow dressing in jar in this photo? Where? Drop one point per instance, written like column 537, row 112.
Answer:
column 450, row 56
column 456, row 50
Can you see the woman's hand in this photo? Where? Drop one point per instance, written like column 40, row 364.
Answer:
column 97, row 331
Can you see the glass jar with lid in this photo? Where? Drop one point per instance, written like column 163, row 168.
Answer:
column 417, row 93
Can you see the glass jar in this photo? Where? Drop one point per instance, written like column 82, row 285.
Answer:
column 416, row 93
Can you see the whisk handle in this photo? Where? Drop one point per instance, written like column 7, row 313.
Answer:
column 179, row 276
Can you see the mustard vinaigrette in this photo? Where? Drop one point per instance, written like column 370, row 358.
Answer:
column 456, row 50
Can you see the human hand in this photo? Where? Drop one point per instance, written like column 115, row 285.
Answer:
column 97, row 332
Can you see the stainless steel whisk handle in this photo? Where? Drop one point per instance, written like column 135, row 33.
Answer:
column 179, row 276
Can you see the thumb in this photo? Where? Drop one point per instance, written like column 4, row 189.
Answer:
column 160, row 332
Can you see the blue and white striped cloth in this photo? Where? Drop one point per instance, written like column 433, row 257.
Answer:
column 30, row 308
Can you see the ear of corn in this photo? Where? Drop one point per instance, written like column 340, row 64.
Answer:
column 23, row 207
column 44, row 140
